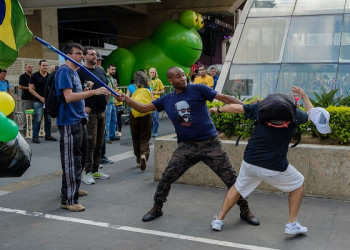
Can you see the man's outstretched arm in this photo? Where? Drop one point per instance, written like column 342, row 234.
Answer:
column 231, row 108
column 228, row 99
column 138, row 106
column 300, row 92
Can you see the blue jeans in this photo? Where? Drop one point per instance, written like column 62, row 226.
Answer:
column 38, row 116
column 111, row 123
column 155, row 121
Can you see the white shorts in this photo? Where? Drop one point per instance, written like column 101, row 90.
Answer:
column 250, row 176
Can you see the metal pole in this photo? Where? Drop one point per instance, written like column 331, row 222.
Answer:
column 76, row 63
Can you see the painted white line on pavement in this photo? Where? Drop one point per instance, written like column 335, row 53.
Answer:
column 135, row 229
column 125, row 155
column 4, row 192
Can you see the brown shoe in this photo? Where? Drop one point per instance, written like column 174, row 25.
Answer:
column 143, row 162
column 248, row 216
column 74, row 208
column 82, row 193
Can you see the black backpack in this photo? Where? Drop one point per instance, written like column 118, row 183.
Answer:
column 52, row 104
column 278, row 110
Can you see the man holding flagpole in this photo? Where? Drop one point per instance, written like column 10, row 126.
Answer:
column 71, row 121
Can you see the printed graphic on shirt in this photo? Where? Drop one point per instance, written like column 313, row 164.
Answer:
column 184, row 113
column 77, row 83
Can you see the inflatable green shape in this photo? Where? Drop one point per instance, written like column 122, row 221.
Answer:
column 8, row 129
column 173, row 43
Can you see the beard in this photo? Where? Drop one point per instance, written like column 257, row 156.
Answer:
column 92, row 61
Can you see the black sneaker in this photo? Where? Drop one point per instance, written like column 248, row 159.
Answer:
column 249, row 217
column 50, row 138
column 35, row 140
column 154, row 213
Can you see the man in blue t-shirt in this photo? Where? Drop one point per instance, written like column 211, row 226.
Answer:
column 265, row 159
column 5, row 85
column 196, row 135
column 71, row 121
column 213, row 74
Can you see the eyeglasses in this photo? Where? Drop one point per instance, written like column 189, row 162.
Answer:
column 92, row 54
column 184, row 110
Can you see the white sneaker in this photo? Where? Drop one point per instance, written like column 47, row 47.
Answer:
column 294, row 228
column 119, row 134
column 88, row 179
column 217, row 224
column 100, row 175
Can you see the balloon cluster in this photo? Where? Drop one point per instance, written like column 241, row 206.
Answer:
column 8, row 128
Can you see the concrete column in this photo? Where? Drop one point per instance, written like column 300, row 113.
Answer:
column 43, row 23
column 49, row 31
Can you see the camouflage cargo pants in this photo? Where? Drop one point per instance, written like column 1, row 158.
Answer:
column 187, row 155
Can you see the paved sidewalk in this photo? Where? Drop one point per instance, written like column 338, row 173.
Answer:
column 31, row 218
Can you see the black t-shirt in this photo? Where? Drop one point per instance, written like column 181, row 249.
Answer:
column 39, row 82
column 268, row 146
column 24, row 81
column 97, row 103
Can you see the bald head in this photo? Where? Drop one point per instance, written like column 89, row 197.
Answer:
column 172, row 71
column 176, row 77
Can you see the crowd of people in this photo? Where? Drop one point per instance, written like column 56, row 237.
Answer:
column 88, row 119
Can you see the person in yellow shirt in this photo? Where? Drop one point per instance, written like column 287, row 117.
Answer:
column 140, row 123
column 157, row 88
column 203, row 78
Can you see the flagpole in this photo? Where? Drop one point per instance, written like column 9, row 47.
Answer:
column 76, row 63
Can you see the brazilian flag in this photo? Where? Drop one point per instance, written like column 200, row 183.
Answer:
column 14, row 32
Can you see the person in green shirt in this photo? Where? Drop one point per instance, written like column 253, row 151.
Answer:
column 111, row 111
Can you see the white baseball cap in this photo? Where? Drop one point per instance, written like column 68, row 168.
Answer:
column 320, row 117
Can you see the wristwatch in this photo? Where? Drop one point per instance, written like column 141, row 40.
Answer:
column 218, row 108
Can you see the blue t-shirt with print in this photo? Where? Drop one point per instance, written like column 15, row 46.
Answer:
column 268, row 146
column 73, row 112
column 4, row 86
column 189, row 112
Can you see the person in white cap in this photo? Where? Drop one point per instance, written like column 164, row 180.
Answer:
column 265, row 159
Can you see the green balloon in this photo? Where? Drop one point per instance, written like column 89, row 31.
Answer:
column 173, row 43
column 191, row 19
column 9, row 131
column 125, row 66
column 3, row 120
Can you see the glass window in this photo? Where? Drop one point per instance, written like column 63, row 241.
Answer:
column 310, row 7
column 313, row 39
column 347, row 7
column 310, row 77
column 343, row 79
column 262, row 8
column 251, row 80
column 262, row 40
column 345, row 40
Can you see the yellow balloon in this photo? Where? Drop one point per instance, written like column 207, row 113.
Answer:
column 7, row 104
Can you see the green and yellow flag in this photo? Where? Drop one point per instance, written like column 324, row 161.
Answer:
column 14, row 32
